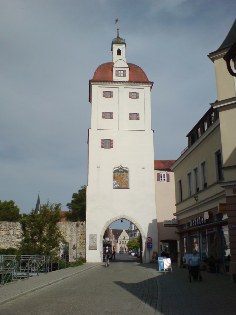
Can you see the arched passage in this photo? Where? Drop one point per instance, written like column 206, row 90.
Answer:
column 109, row 222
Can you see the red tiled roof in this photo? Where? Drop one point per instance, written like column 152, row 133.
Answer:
column 104, row 73
column 63, row 217
column 164, row 165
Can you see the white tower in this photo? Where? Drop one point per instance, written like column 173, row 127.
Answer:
column 121, row 156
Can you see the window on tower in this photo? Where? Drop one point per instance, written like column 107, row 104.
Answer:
column 107, row 94
column 133, row 116
column 107, row 115
column 121, row 73
column 118, row 52
column 120, row 178
column 133, row 95
column 106, row 143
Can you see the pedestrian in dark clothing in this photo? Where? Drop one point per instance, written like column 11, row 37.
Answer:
column 114, row 253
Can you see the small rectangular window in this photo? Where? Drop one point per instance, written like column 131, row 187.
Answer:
column 180, row 190
column 133, row 95
column 199, row 132
column 121, row 73
column 219, row 171
column 107, row 143
column 107, row 94
column 203, row 175
column 163, row 177
column 189, row 178
column 107, row 115
column 133, row 116
column 196, row 186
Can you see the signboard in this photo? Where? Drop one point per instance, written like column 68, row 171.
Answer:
column 93, row 241
column 149, row 242
column 171, row 223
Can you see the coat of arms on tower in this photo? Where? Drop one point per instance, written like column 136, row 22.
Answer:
column 121, row 177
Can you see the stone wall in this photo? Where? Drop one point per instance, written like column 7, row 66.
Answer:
column 10, row 234
column 73, row 232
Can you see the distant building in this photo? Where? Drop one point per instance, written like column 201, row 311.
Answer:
column 165, row 205
column 133, row 231
column 123, row 240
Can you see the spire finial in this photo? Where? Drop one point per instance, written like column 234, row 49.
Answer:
column 118, row 35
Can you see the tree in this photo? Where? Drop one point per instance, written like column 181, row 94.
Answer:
column 41, row 234
column 77, row 206
column 133, row 244
column 9, row 211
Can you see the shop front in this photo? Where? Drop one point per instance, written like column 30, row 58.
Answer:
column 209, row 235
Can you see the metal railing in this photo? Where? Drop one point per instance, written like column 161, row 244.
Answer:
column 8, row 267
column 14, row 267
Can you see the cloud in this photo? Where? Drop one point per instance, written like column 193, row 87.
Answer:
column 50, row 50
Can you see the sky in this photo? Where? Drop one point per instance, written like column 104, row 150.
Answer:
column 49, row 50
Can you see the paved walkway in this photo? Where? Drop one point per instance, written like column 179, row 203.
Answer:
column 156, row 293
column 13, row 290
column 216, row 294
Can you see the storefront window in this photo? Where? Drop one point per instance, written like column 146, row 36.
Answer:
column 194, row 243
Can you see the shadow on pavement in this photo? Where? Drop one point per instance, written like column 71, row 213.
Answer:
column 172, row 293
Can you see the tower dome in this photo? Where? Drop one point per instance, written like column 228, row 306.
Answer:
column 104, row 73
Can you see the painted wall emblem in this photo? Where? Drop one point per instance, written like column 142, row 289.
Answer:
column 121, row 177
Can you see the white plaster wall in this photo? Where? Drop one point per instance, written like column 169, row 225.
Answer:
column 165, row 204
column 116, row 57
column 131, row 149
column 121, row 105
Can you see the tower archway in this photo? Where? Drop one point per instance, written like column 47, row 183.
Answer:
column 130, row 219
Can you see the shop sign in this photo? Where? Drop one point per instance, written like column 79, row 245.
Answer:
column 197, row 221
column 173, row 222
column 222, row 207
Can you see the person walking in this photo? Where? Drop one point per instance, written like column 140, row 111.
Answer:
column 107, row 256
column 114, row 253
column 194, row 267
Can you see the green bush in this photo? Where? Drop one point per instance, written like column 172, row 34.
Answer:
column 8, row 251
column 80, row 261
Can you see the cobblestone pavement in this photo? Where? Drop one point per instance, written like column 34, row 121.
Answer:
column 122, row 288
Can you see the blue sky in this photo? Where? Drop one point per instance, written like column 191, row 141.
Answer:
column 49, row 51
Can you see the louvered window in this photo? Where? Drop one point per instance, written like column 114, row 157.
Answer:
column 133, row 95
column 107, row 94
column 133, row 116
column 121, row 73
column 163, row 177
column 107, row 143
column 107, row 115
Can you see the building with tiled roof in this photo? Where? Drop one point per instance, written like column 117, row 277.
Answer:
column 165, row 205
column 121, row 151
column 164, row 165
